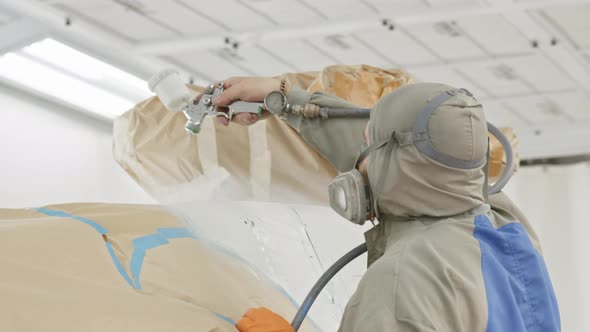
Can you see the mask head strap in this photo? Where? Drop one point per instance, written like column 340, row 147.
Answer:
column 389, row 146
column 421, row 139
column 363, row 153
column 485, row 170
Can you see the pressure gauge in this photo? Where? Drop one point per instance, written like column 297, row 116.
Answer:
column 275, row 102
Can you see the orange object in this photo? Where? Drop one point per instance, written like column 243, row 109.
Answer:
column 263, row 320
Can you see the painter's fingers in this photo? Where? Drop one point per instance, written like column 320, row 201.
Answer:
column 228, row 83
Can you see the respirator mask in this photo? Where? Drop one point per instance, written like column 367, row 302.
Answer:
column 350, row 193
column 353, row 198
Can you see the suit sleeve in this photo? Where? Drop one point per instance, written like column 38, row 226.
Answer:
column 338, row 140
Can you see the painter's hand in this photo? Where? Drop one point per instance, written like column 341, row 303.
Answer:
column 252, row 89
column 263, row 320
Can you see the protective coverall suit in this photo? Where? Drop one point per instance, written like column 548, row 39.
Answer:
column 444, row 256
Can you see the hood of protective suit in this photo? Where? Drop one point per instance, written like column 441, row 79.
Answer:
column 427, row 161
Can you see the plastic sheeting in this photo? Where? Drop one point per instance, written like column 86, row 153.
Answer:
column 291, row 244
column 265, row 162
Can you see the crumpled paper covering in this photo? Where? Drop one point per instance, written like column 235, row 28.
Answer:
column 267, row 161
column 58, row 273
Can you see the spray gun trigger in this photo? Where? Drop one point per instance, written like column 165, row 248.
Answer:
column 225, row 115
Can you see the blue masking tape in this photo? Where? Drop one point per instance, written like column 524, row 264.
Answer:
column 144, row 243
column 175, row 233
column 62, row 214
column 101, row 230
column 118, row 264
column 227, row 319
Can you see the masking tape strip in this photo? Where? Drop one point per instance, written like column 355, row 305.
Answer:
column 118, row 264
column 227, row 319
column 207, row 144
column 62, row 214
column 142, row 244
column 100, row 229
column 260, row 161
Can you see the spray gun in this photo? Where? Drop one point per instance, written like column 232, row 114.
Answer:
column 176, row 97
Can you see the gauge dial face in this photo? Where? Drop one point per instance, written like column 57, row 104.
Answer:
column 275, row 102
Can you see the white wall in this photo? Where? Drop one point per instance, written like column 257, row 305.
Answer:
column 556, row 200
column 49, row 154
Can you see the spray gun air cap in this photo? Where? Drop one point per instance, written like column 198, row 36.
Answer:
column 169, row 87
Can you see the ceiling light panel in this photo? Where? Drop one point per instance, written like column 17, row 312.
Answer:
column 4, row 18
column 56, row 85
column 452, row 4
column 446, row 39
column 286, row 12
column 88, row 68
column 132, row 24
column 575, row 103
column 183, row 18
column 398, row 46
column 343, row 9
column 573, row 20
column 60, row 72
column 498, row 114
column 350, row 50
column 495, row 34
column 235, row 14
column 539, row 110
column 497, row 77
column 214, row 65
column 262, row 62
column 543, row 74
column 398, row 7
column 447, row 75
column 299, row 53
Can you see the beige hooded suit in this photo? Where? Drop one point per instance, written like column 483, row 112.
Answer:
column 442, row 258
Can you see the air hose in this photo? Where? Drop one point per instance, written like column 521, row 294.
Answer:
column 509, row 169
column 361, row 249
column 321, row 283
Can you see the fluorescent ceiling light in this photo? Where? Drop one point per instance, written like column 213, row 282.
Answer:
column 53, row 69
column 66, row 58
column 46, row 80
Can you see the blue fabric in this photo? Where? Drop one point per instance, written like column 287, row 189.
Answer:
column 144, row 243
column 62, row 214
column 101, row 230
column 519, row 292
